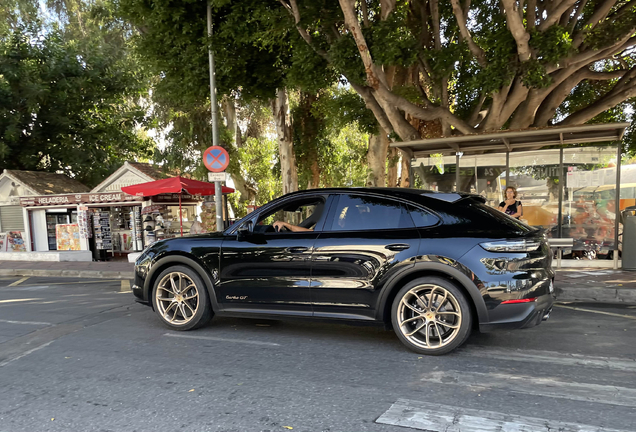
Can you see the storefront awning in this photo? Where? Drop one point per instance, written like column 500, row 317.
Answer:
column 174, row 185
column 509, row 141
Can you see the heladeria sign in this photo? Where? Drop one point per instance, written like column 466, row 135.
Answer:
column 73, row 199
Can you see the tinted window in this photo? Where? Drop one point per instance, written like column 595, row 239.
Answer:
column 358, row 213
column 498, row 217
column 303, row 212
column 422, row 218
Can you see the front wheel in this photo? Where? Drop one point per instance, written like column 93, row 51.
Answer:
column 181, row 299
column 430, row 315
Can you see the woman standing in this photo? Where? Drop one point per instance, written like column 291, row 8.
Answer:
column 511, row 206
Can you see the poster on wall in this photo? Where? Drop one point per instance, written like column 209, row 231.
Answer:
column 67, row 236
column 83, row 223
column 3, row 242
column 15, row 242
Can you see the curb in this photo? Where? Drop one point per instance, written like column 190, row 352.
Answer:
column 597, row 295
column 84, row 274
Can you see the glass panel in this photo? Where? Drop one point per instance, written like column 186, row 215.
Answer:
column 589, row 202
column 422, row 218
column 435, row 173
column 535, row 175
column 628, row 192
column 481, row 174
column 356, row 213
column 303, row 212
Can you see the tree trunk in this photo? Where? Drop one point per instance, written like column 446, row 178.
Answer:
column 405, row 178
column 392, row 167
column 289, row 173
column 246, row 191
column 376, row 158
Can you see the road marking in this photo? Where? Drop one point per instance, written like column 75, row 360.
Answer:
column 610, row 363
column 19, row 300
column 79, row 283
column 537, row 386
column 25, row 322
column 443, row 418
column 18, row 282
column 596, row 311
column 26, row 353
column 221, row 339
column 125, row 286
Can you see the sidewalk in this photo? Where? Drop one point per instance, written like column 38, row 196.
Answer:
column 93, row 270
column 580, row 284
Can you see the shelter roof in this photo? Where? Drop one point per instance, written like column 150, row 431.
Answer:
column 514, row 141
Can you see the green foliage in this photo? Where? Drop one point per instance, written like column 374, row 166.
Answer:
column 534, row 74
column 609, row 32
column 552, row 44
column 391, row 41
column 345, row 58
column 68, row 105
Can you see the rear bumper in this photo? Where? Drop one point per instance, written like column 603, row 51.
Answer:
column 521, row 315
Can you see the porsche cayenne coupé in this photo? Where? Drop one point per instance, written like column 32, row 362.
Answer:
column 433, row 266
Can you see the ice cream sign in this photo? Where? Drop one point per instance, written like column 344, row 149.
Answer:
column 49, row 200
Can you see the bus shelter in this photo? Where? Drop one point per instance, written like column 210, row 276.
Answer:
column 570, row 179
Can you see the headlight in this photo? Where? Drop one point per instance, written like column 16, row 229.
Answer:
column 512, row 246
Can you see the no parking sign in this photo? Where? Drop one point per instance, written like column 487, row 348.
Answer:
column 216, row 159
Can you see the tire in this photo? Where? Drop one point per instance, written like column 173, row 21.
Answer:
column 181, row 307
column 450, row 316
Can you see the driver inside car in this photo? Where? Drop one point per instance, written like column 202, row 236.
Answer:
column 306, row 225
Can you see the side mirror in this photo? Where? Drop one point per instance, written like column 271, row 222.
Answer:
column 244, row 232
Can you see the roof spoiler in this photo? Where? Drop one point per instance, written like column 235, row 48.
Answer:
column 453, row 197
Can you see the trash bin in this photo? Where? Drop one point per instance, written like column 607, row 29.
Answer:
column 628, row 217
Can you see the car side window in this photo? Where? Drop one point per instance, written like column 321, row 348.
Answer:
column 422, row 218
column 305, row 212
column 360, row 213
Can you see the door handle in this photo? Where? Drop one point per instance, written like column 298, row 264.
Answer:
column 398, row 246
column 297, row 249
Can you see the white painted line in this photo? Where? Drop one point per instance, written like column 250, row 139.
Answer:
column 210, row 338
column 19, row 300
column 26, row 353
column 596, row 311
column 537, row 386
column 18, row 282
column 443, row 418
column 82, row 282
column 609, row 363
column 125, row 286
column 25, row 322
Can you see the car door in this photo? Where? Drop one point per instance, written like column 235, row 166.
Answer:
column 264, row 271
column 366, row 239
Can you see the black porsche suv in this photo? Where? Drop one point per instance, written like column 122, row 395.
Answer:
column 431, row 265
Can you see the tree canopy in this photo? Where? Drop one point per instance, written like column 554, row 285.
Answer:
column 70, row 93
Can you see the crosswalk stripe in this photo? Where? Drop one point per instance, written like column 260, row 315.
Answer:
column 443, row 418
column 537, row 386
column 608, row 363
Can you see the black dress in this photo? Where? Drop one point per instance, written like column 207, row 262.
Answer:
column 512, row 209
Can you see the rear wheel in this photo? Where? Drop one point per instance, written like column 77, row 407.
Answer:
column 430, row 315
column 181, row 299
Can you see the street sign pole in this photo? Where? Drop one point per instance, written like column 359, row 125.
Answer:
column 215, row 128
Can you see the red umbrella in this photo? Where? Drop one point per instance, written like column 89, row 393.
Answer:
column 174, row 185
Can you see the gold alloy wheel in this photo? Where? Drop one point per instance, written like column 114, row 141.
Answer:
column 177, row 298
column 429, row 316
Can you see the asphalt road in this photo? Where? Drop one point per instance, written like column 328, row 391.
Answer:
column 80, row 355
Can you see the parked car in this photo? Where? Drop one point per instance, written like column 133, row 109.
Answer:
column 433, row 266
